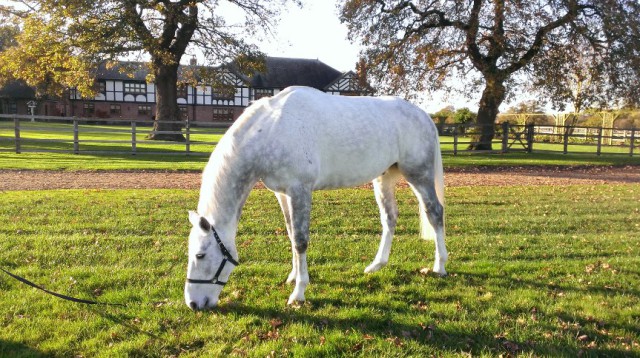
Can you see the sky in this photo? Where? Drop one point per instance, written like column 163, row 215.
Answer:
column 315, row 32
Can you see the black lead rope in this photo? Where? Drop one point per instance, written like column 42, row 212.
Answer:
column 214, row 280
column 59, row 295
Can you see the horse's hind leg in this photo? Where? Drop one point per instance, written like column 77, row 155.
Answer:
column 284, row 205
column 384, row 189
column 424, row 188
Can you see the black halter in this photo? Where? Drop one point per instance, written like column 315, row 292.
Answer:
column 227, row 258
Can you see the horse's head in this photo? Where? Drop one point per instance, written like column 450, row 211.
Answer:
column 210, row 264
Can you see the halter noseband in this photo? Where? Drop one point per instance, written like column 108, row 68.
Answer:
column 227, row 258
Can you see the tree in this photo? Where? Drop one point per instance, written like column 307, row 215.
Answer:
column 8, row 34
column 496, row 45
column 526, row 112
column 464, row 116
column 443, row 114
column 63, row 41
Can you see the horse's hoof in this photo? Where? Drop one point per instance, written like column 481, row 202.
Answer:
column 373, row 267
column 440, row 273
column 295, row 301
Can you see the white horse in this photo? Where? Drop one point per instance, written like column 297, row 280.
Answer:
column 303, row 140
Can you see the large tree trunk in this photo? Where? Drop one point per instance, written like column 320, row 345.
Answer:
column 492, row 98
column 166, row 79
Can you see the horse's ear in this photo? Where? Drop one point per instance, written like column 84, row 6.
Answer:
column 204, row 224
column 194, row 218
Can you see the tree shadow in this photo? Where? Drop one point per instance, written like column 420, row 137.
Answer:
column 18, row 349
column 376, row 320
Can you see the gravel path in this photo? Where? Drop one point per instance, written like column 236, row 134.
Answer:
column 44, row 180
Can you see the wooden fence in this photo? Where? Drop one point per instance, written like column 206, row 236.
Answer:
column 21, row 134
column 532, row 138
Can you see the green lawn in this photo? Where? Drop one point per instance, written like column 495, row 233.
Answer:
column 60, row 161
column 534, row 271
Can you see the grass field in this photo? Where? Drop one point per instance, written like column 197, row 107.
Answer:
column 58, row 161
column 534, row 271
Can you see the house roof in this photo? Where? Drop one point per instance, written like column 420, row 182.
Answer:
column 17, row 89
column 284, row 72
column 280, row 72
column 123, row 71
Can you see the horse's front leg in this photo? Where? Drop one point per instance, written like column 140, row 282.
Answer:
column 299, row 201
column 283, row 200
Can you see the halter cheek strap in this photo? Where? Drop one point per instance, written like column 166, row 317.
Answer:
column 227, row 258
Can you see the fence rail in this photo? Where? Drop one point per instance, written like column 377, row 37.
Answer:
column 22, row 134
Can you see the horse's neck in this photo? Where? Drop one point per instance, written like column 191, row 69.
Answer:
column 225, row 187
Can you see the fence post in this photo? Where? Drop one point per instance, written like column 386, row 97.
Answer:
column 76, row 142
column 565, row 140
column 530, row 137
column 505, row 136
column 16, row 129
column 133, row 138
column 599, row 141
column 188, row 137
column 455, row 140
column 633, row 139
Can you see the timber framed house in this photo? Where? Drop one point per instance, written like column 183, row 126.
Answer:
column 124, row 93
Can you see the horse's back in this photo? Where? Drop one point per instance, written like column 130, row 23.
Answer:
column 333, row 141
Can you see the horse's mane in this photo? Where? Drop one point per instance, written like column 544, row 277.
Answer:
column 223, row 179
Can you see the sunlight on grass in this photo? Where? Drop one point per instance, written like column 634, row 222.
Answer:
column 534, row 271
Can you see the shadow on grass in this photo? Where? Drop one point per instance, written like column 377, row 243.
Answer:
column 142, row 160
column 17, row 350
column 375, row 320
column 369, row 326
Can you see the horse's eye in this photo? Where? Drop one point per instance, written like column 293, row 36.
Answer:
column 199, row 256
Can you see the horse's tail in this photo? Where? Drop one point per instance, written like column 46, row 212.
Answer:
column 426, row 229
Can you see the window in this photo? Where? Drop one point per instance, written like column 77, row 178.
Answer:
column 262, row 92
column 13, row 107
column 144, row 110
column 102, row 87
column 222, row 114
column 135, row 87
column 115, row 109
column 88, row 109
column 224, row 93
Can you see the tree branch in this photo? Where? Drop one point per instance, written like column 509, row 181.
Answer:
column 478, row 60
column 135, row 19
column 541, row 35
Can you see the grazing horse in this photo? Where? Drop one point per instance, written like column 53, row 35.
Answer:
column 302, row 140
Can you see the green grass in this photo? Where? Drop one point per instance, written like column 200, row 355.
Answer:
column 59, row 161
column 534, row 271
